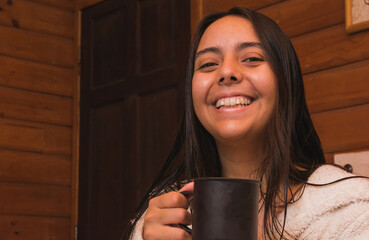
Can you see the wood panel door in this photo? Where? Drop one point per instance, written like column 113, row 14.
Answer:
column 132, row 77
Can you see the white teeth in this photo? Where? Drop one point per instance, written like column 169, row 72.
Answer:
column 233, row 102
column 221, row 102
column 226, row 102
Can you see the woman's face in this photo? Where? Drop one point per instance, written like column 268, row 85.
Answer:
column 233, row 86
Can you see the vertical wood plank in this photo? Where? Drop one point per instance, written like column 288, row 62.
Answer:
column 150, row 133
column 156, row 23
column 74, row 170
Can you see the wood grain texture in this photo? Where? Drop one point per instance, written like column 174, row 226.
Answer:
column 62, row 4
column 35, row 76
column 210, row 6
column 337, row 87
column 36, row 47
column 35, row 137
column 107, row 113
column 343, row 129
column 300, row 16
column 31, row 199
column 74, row 170
column 196, row 14
column 37, row 17
column 37, row 57
column 31, row 228
column 150, row 134
column 200, row 8
column 86, row 3
column 330, row 47
column 25, row 167
column 26, row 105
column 156, row 22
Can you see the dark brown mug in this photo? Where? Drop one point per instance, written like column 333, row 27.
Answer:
column 224, row 209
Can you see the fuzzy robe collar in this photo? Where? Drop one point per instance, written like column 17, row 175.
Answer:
column 337, row 211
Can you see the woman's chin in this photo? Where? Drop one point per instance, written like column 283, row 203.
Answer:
column 236, row 136
column 231, row 137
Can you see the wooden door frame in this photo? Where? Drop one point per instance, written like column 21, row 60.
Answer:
column 75, row 128
column 79, row 5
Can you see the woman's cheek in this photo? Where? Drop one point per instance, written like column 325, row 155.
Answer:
column 197, row 95
column 200, row 86
column 200, row 90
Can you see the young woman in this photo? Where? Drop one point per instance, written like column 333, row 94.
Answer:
column 246, row 117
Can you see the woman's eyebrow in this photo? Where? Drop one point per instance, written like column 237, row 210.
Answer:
column 206, row 50
column 244, row 45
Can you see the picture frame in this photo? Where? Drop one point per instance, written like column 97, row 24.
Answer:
column 357, row 15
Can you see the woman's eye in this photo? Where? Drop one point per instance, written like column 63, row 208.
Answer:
column 253, row 59
column 209, row 64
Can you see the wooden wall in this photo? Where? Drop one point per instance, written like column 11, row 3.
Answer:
column 335, row 65
column 38, row 88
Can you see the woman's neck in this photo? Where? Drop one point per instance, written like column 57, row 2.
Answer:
column 239, row 160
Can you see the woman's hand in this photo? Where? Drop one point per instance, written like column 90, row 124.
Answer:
column 164, row 214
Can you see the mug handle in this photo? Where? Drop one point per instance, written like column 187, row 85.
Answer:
column 187, row 194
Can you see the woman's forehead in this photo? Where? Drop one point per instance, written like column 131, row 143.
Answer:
column 228, row 31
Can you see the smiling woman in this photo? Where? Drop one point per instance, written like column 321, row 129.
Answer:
column 228, row 70
column 246, row 117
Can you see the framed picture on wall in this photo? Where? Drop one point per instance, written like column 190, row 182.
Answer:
column 357, row 15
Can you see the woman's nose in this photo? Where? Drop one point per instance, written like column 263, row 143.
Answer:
column 230, row 72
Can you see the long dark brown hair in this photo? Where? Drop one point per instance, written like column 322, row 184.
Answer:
column 293, row 149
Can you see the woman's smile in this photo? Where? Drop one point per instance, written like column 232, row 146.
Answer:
column 233, row 102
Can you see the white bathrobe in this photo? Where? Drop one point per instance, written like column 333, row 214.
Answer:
column 334, row 212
